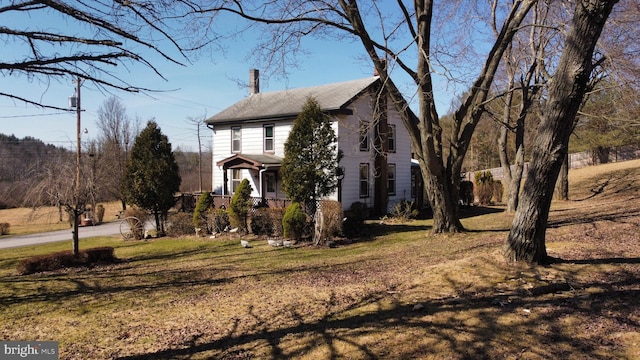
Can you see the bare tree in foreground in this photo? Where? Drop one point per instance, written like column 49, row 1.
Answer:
column 92, row 40
column 526, row 239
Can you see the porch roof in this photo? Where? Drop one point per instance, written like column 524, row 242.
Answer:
column 250, row 161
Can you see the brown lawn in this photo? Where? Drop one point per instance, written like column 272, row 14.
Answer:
column 400, row 293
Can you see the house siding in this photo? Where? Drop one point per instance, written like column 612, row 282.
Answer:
column 349, row 142
column 347, row 128
column 252, row 143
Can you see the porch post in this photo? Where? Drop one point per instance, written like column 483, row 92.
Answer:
column 225, row 180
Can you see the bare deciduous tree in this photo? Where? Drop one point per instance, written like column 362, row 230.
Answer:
column 394, row 37
column 116, row 135
column 117, row 33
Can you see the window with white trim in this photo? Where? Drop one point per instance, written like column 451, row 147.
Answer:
column 268, row 138
column 236, row 179
column 236, row 139
column 270, row 182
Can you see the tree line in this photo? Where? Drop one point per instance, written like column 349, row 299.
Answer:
column 34, row 173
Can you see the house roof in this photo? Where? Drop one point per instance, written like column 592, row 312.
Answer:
column 288, row 103
column 249, row 161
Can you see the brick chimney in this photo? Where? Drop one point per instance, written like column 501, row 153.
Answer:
column 254, row 81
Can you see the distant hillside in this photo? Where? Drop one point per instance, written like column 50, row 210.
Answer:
column 22, row 160
column 20, row 164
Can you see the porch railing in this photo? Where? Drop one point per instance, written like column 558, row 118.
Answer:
column 187, row 202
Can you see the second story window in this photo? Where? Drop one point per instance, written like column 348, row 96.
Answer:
column 268, row 138
column 236, row 139
column 364, row 136
column 391, row 138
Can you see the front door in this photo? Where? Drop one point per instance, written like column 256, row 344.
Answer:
column 270, row 185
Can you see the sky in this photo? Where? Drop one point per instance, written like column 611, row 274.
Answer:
column 204, row 87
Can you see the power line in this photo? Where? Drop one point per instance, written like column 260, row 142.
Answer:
column 31, row 115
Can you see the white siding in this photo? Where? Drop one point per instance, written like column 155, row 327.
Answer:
column 349, row 142
column 252, row 143
column 402, row 159
column 347, row 128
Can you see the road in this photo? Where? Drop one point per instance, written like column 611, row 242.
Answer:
column 105, row 229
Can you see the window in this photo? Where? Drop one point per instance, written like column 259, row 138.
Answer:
column 391, row 138
column 391, row 179
column 364, row 136
column 364, row 180
column 270, row 182
column 236, row 179
column 236, row 139
column 268, row 138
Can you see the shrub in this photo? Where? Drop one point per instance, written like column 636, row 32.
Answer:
column 333, row 216
column 498, row 191
column 466, row 192
column 276, row 215
column 261, row 223
column 66, row 259
column 240, row 205
column 331, row 222
column 180, row 224
column 218, row 220
column 4, row 228
column 404, row 210
column 201, row 211
column 357, row 214
column 294, row 221
column 484, row 187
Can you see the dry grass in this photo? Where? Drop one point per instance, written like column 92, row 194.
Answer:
column 400, row 294
column 47, row 218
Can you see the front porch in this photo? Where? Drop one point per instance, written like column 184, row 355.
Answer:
column 260, row 169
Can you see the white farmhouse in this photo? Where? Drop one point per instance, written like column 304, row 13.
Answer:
column 249, row 138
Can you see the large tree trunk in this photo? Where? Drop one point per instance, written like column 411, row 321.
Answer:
column 526, row 240
column 516, row 177
column 562, row 185
column 444, row 206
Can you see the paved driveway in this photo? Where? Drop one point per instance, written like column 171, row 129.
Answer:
column 105, row 229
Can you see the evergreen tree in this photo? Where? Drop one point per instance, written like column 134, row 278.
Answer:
column 311, row 156
column 152, row 175
column 202, row 208
column 240, row 205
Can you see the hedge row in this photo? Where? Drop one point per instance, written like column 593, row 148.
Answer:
column 66, row 259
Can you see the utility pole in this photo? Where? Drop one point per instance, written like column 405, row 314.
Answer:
column 75, row 101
